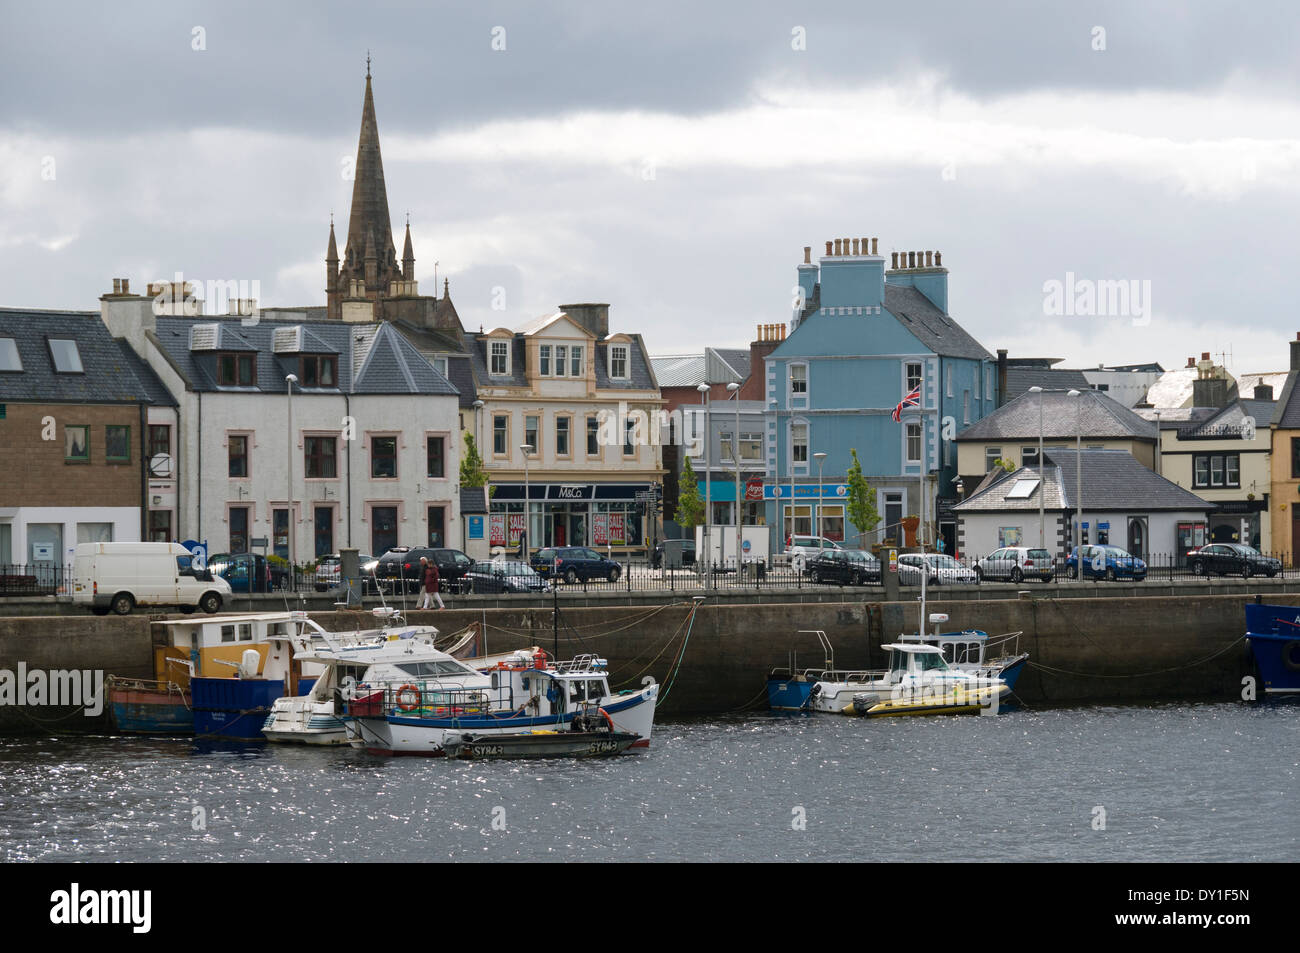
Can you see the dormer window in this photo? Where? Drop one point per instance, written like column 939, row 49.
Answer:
column 236, row 370
column 9, row 359
column 318, row 370
column 618, row 362
column 67, row 359
column 499, row 358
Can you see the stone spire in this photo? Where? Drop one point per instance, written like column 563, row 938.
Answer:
column 331, row 261
column 369, row 214
column 408, row 256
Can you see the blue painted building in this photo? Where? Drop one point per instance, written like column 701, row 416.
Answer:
column 862, row 337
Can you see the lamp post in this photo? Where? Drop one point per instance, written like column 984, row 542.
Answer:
column 526, row 449
column 1042, row 487
column 820, row 457
column 478, row 433
column 289, row 381
column 1078, row 474
column 735, row 459
column 708, row 483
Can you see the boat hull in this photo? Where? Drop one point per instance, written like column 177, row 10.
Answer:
column 562, row 744
column 1274, row 636
column 233, row 708
column 789, row 692
column 139, row 711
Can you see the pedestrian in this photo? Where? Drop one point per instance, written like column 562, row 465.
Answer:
column 430, row 585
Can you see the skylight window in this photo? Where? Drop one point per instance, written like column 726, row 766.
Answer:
column 67, row 359
column 9, row 359
column 1023, row 489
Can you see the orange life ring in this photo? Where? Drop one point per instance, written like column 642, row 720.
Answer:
column 402, row 691
column 609, row 721
column 539, row 660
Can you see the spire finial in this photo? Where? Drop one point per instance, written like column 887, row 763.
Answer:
column 367, row 64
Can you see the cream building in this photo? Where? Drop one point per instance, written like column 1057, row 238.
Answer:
column 586, row 402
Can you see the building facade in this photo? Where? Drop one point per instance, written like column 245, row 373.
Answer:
column 865, row 338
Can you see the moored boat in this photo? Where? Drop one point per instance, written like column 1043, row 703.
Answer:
column 1274, row 636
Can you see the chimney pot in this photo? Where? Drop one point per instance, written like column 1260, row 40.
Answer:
column 828, row 251
column 117, row 286
column 807, row 254
column 873, row 246
column 911, row 259
column 929, row 259
column 837, row 246
column 938, row 260
column 126, row 286
column 855, row 246
column 893, row 264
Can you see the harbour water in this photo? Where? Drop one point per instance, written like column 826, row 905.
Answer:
column 1175, row 782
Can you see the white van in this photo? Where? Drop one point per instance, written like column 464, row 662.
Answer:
column 121, row 576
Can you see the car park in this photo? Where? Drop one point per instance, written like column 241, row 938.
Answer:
column 848, row 567
column 939, row 568
column 248, row 572
column 1017, row 563
column 504, row 575
column 574, row 564
column 1105, row 562
column 1232, row 559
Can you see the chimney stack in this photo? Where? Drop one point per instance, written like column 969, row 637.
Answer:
column 1295, row 353
column 1002, row 376
column 929, row 259
column 1191, row 361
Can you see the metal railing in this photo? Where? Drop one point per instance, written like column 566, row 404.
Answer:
column 34, row 579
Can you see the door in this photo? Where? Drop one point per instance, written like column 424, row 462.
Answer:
column 323, row 531
column 1137, row 538
column 238, row 529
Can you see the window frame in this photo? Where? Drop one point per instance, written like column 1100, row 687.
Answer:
column 308, row 456
column 318, row 362
column 85, row 429
column 152, row 442
column 593, row 436
column 615, row 359
column 913, row 432
column 18, row 357
column 375, row 456
column 577, row 360
column 231, row 437
column 108, row 458
column 912, row 382
column 504, row 356
column 536, row 441
column 564, row 436
column 441, row 439
column 237, row 359
column 74, row 352
column 544, row 360
column 794, row 381
column 795, row 444
column 505, row 438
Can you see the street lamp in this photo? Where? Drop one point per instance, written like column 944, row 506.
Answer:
column 478, row 435
column 1042, row 486
column 735, row 459
column 820, row 457
column 289, row 381
column 526, row 449
column 708, row 484
column 1078, row 476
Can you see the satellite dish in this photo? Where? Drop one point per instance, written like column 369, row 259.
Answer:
column 160, row 466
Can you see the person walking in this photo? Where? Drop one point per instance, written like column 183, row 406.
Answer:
column 430, row 585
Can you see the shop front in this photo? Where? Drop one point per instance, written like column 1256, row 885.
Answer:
column 568, row 514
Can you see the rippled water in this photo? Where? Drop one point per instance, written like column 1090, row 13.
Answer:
column 1176, row 782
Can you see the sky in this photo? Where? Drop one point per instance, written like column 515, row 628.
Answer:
column 674, row 159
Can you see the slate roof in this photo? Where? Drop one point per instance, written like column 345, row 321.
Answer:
column 113, row 373
column 640, row 374
column 1112, row 480
column 473, row 499
column 383, row 360
column 1287, row 415
column 1231, row 416
column 936, row 330
column 1100, row 417
column 1020, row 379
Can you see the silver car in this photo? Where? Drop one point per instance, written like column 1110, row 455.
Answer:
column 940, row 568
column 1017, row 563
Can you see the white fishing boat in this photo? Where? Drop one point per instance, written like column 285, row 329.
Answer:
column 392, row 652
column 526, row 692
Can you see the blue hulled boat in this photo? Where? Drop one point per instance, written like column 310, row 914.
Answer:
column 1274, row 636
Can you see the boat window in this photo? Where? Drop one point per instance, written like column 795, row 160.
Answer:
column 227, row 633
column 495, row 683
column 596, row 690
column 276, row 628
column 245, row 632
column 948, row 651
column 576, row 692
column 931, row 662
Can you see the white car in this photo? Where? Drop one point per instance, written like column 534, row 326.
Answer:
column 802, row 548
column 941, row 569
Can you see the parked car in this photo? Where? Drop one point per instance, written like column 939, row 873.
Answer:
column 1105, row 562
column 1017, row 563
column 121, row 576
column 687, row 547
column 248, row 572
column 799, row 549
column 574, row 563
column 1232, row 559
column 506, row 575
column 399, row 569
column 327, row 569
column 851, row 567
column 941, row 569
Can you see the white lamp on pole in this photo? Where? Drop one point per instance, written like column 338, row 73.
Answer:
column 1078, row 475
column 734, row 388
column 708, row 483
column 289, row 381
column 1042, row 486
column 526, row 449
column 820, row 457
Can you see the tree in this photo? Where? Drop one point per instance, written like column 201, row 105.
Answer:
column 862, row 502
column 690, row 508
column 471, row 464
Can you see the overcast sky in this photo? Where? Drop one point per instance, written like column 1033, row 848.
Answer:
column 674, row 158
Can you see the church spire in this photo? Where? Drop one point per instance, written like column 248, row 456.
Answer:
column 369, row 214
column 408, row 256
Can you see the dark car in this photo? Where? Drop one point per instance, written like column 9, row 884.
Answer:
column 848, row 567
column 574, row 563
column 687, row 547
column 399, row 569
column 247, row 572
column 507, row 575
column 1232, row 559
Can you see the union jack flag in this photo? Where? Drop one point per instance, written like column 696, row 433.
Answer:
column 913, row 399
